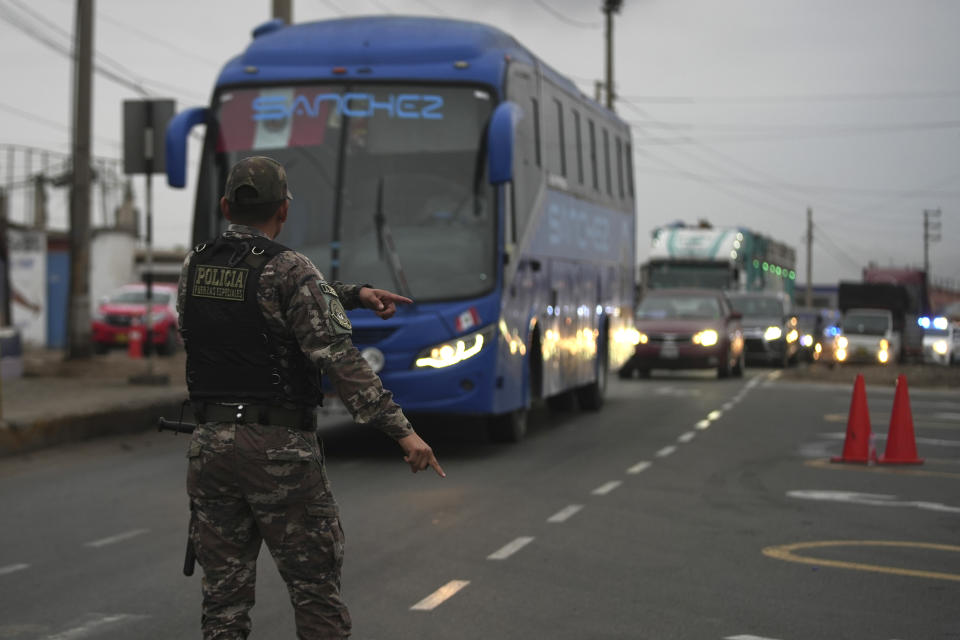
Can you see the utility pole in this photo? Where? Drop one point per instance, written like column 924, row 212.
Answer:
column 610, row 7
column 808, row 300
column 931, row 233
column 78, row 329
column 283, row 9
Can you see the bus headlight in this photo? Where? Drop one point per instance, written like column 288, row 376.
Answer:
column 793, row 335
column 940, row 346
column 806, row 340
column 841, row 342
column 450, row 353
column 706, row 338
column 883, row 356
column 841, row 355
column 630, row 336
column 772, row 333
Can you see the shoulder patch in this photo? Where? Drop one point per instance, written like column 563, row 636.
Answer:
column 339, row 315
column 326, row 288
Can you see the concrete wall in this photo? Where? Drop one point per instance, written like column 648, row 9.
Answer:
column 111, row 262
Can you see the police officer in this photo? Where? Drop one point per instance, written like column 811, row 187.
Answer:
column 260, row 323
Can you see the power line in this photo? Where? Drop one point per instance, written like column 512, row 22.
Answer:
column 433, row 7
column 49, row 123
column 566, row 19
column 334, row 7
column 120, row 74
column 906, row 193
column 824, row 97
column 151, row 38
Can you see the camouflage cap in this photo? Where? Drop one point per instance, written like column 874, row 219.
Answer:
column 265, row 175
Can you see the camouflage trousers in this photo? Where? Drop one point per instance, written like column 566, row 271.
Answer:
column 249, row 484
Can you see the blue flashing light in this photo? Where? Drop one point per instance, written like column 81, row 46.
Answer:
column 832, row 331
column 940, row 323
column 924, row 322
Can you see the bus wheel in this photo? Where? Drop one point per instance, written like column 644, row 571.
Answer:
column 508, row 427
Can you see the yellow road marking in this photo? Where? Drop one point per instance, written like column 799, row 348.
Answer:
column 785, row 552
column 824, row 463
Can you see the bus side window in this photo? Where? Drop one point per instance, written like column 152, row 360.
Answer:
column 561, row 154
column 593, row 156
column 536, row 130
column 527, row 172
column 606, row 162
column 620, row 167
column 579, row 143
column 629, row 158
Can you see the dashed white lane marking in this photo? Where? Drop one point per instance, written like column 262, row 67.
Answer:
column 566, row 513
column 440, row 596
column 639, row 467
column 92, row 626
column 686, row 437
column 12, row 568
column 748, row 637
column 714, row 415
column 120, row 537
column 663, row 453
column 604, row 489
column 703, row 424
column 510, row 548
column 774, row 375
column 728, row 405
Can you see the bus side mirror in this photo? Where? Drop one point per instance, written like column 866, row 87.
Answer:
column 500, row 136
column 178, row 131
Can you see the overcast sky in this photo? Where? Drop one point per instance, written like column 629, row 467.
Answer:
column 745, row 112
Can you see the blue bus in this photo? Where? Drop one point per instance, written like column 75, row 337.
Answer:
column 441, row 159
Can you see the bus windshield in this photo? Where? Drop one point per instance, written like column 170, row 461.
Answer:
column 389, row 180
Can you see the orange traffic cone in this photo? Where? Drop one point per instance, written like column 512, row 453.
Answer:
column 857, row 447
column 901, row 444
column 135, row 342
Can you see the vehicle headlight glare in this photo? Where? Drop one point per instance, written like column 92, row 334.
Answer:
column 706, row 338
column 841, row 354
column 940, row 346
column 454, row 351
column 842, row 342
column 883, row 356
column 806, row 340
column 772, row 333
column 793, row 335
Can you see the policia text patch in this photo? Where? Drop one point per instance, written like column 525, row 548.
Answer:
column 221, row 283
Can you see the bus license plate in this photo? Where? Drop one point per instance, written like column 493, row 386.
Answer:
column 669, row 351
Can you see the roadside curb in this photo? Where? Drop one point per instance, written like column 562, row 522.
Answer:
column 17, row 437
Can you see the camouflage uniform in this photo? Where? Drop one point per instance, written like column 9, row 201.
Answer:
column 250, row 482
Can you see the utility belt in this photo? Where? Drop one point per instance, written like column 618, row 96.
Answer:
column 265, row 414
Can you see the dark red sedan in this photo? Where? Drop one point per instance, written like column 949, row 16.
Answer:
column 687, row 329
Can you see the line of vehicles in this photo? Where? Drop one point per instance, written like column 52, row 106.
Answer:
column 718, row 298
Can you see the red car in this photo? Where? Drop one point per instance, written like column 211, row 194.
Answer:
column 687, row 329
column 127, row 307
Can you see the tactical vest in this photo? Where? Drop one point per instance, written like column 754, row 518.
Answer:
column 232, row 355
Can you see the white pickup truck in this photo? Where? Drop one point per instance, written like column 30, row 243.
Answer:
column 868, row 335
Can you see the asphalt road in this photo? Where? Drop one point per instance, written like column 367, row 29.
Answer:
column 689, row 508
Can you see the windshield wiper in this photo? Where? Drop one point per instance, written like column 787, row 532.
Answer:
column 385, row 245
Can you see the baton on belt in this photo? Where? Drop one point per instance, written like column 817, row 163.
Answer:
column 177, row 426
